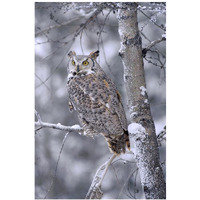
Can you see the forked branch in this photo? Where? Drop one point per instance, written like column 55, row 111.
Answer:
column 153, row 43
column 95, row 191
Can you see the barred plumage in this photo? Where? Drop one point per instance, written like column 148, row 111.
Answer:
column 96, row 99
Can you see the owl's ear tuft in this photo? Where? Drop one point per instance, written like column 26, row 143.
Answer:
column 94, row 54
column 71, row 54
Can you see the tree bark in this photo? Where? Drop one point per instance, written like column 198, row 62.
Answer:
column 143, row 136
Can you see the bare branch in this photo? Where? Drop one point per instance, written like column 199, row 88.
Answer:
column 153, row 43
column 83, row 26
column 127, row 181
column 54, row 51
column 75, row 128
column 135, row 190
column 38, row 116
column 161, row 136
column 56, row 68
column 95, row 188
column 101, row 28
column 55, row 26
column 43, row 82
column 52, row 182
column 161, row 27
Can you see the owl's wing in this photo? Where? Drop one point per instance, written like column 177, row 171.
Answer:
column 120, row 111
column 97, row 101
column 114, row 101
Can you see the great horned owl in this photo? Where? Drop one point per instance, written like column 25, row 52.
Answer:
column 96, row 99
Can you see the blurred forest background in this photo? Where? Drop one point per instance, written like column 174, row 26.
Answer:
column 59, row 28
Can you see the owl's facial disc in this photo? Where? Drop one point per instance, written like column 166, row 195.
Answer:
column 80, row 65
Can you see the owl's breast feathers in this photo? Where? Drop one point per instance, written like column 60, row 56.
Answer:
column 96, row 99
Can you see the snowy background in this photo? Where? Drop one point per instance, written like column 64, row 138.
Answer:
column 81, row 156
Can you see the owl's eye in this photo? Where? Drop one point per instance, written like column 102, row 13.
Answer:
column 73, row 62
column 85, row 62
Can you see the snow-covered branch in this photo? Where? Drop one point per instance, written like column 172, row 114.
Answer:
column 95, row 191
column 149, row 6
column 75, row 128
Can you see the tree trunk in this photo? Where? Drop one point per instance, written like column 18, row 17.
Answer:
column 141, row 129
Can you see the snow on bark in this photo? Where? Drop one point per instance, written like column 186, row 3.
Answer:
column 143, row 90
column 135, row 128
column 76, row 126
column 141, row 129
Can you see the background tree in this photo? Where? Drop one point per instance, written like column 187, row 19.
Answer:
column 85, row 27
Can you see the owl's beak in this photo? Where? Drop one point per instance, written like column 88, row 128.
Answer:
column 78, row 68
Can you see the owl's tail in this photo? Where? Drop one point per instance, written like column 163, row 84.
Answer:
column 118, row 144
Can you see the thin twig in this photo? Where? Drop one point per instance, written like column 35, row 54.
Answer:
column 81, row 42
column 161, row 136
column 38, row 117
column 127, row 180
column 134, row 185
column 101, row 28
column 152, row 21
column 54, row 70
column 153, row 43
column 56, row 26
column 104, row 54
column 95, row 188
column 43, row 82
column 90, row 19
column 53, row 178
column 106, row 169
column 145, row 37
column 54, row 51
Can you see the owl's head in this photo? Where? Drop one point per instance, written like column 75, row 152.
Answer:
column 82, row 64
